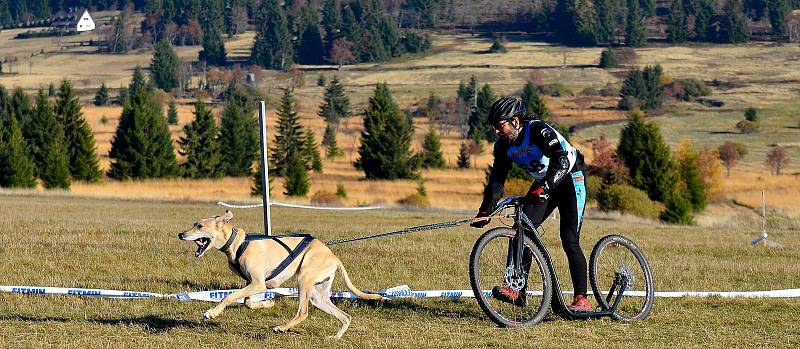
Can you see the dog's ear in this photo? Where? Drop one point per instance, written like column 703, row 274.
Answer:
column 227, row 217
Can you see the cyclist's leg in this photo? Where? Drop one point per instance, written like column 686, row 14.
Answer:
column 572, row 198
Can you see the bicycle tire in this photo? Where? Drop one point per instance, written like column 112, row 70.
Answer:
column 492, row 248
column 614, row 253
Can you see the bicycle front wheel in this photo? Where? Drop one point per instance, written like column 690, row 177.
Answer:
column 488, row 268
column 614, row 256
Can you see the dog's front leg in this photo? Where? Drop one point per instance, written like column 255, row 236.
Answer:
column 247, row 291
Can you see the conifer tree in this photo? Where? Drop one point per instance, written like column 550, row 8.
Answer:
column 80, row 144
column 386, row 140
column 165, row 66
column 311, row 152
column 17, row 169
column 479, row 127
column 290, row 136
column 643, row 150
column 331, row 22
column 777, row 13
column 694, row 187
column 678, row 210
column 172, row 112
column 335, row 103
column 677, row 29
column 534, row 101
column 200, row 145
column 310, row 49
column 55, row 171
column 608, row 59
column 239, row 139
column 297, row 181
column 703, row 11
column 463, row 156
column 257, row 188
column 635, row 31
column 333, row 148
column 733, row 26
column 272, row 46
column 213, row 51
column 40, row 130
column 432, row 150
column 101, row 98
column 21, row 107
column 142, row 144
column 51, row 90
column 467, row 93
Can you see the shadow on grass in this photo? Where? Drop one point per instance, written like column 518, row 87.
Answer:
column 150, row 324
column 455, row 308
column 723, row 133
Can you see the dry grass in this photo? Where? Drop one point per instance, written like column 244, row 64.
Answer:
column 63, row 240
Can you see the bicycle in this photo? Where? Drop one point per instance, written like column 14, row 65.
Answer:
column 620, row 276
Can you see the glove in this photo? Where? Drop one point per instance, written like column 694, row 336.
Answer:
column 482, row 222
column 537, row 196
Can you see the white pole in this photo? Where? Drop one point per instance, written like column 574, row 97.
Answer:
column 262, row 117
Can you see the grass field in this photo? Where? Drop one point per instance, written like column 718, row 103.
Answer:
column 63, row 240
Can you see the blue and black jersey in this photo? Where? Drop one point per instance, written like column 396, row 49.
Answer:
column 540, row 150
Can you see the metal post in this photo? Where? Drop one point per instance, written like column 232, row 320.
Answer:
column 262, row 117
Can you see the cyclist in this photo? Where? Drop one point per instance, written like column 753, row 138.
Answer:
column 558, row 182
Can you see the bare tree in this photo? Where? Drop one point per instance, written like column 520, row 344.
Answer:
column 341, row 52
column 730, row 153
column 777, row 159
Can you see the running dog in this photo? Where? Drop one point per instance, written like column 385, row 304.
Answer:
column 262, row 261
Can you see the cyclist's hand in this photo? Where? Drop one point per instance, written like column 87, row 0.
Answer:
column 537, row 196
column 480, row 220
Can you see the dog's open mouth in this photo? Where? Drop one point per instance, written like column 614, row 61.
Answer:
column 202, row 246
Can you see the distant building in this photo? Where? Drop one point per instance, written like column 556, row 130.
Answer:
column 74, row 22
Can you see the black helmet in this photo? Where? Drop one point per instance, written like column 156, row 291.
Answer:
column 506, row 108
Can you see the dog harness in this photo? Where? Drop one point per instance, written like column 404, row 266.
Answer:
column 293, row 253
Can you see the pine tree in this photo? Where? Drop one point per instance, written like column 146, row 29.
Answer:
column 534, row 101
column 257, row 188
column 688, row 161
column 201, row 145
column 17, row 169
column 101, row 98
column 172, row 112
column 40, row 131
column 213, row 51
column 467, row 93
column 386, row 140
column 289, row 137
column 777, row 13
column 311, row 152
column 635, row 31
column 432, row 150
column 55, row 171
column 165, row 66
column 703, row 11
column 608, row 59
column 331, row 22
column 463, row 156
column 272, row 46
column 335, row 103
column 142, row 145
column 677, row 29
column 297, row 182
column 733, row 26
column 239, row 139
column 310, row 49
column 576, row 22
column 80, row 144
column 20, row 106
column 643, row 150
column 479, row 127
column 123, row 97
column 333, row 148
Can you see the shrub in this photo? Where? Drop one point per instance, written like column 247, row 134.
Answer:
column 416, row 43
column 497, row 46
column 415, row 200
column 627, row 199
column 690, row 89
column 609, row 90
column 608, row 59
column 340, row 192
column 678, row 210
column 747, row 127
column 555, row 90
column 325, row 198
column 593, row 187
column 751, row 114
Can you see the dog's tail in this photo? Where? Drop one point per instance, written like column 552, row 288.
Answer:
column 355, row 289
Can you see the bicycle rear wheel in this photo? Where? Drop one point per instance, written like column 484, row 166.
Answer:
column 615, row 254
column 487, row 269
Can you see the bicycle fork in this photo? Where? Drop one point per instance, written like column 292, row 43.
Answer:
column 515, row 276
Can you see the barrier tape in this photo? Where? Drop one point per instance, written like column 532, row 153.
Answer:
column 363, row 208
column 402, row 291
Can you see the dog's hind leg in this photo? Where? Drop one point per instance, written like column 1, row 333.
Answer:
column 304, row 284
column 247, row 291
column 321, row 298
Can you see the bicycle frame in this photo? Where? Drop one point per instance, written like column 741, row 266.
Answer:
column 558, row 304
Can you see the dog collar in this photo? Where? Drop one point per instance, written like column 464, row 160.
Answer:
column 230, row 240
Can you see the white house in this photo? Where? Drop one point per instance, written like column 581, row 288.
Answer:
column 73, row 22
